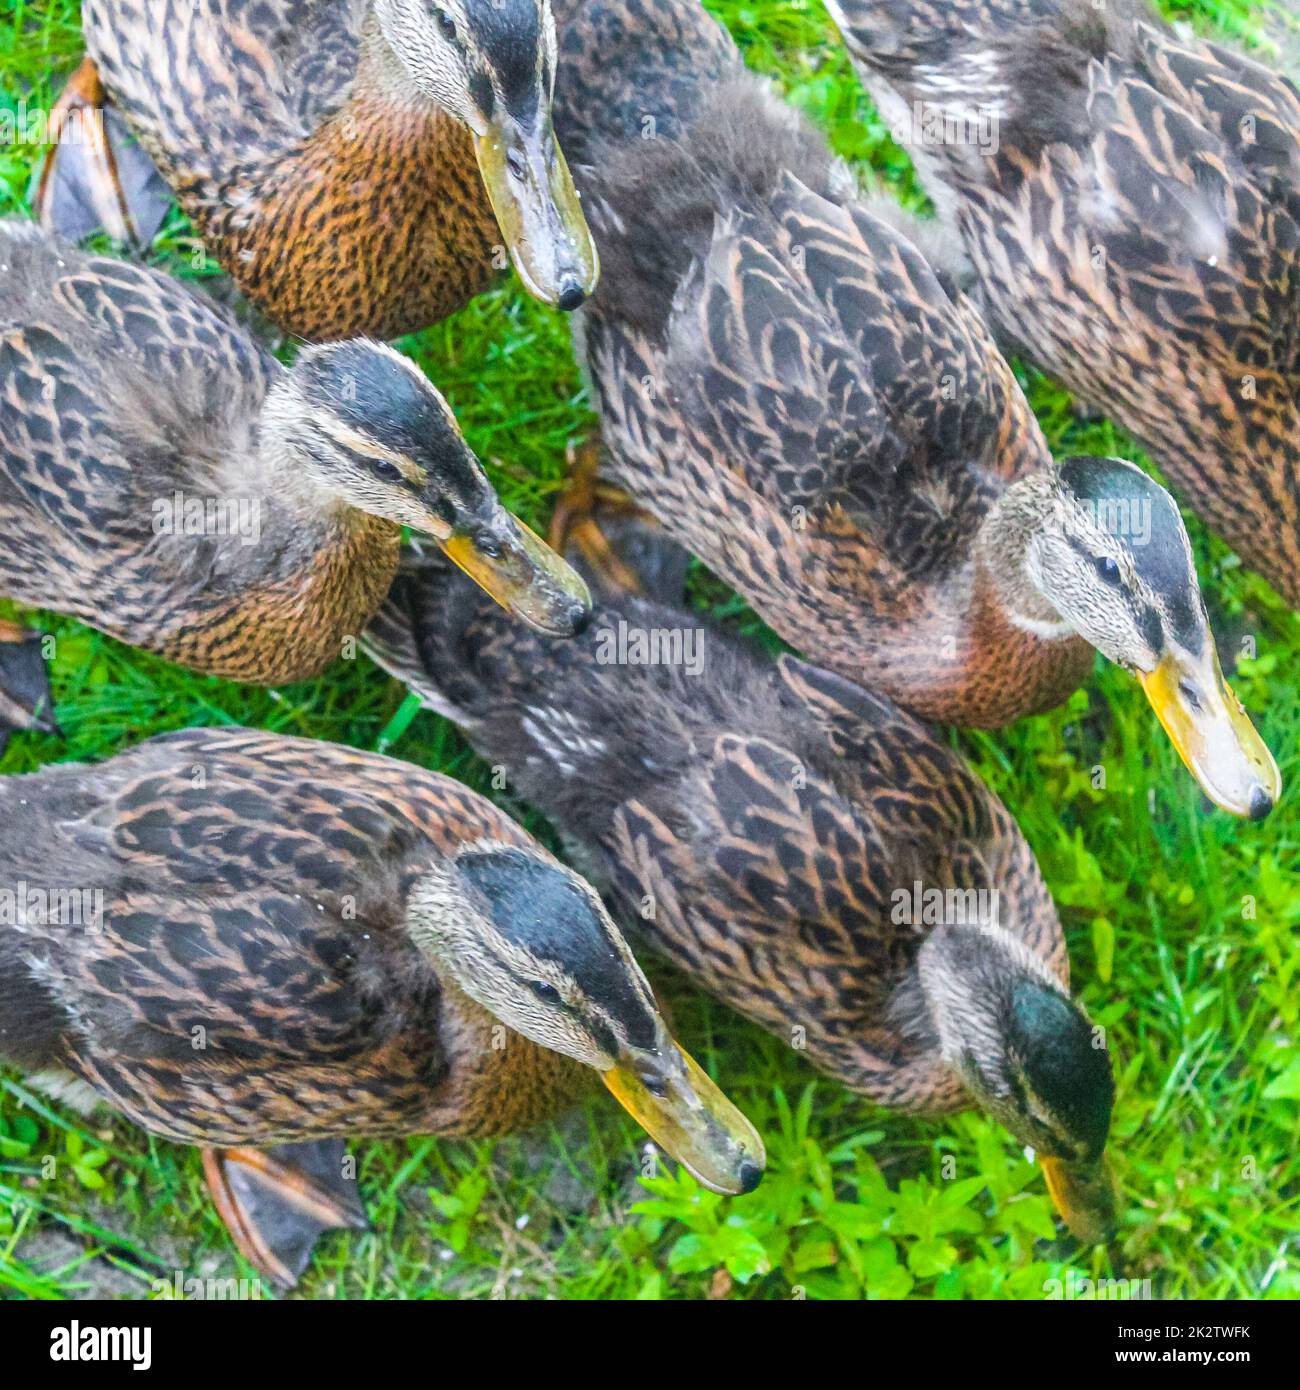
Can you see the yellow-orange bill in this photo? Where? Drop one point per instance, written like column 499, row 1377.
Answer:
column 1084, row 1194
column 540, row 214
column 1213, row 734
column 526, row 577
column 690, row 1119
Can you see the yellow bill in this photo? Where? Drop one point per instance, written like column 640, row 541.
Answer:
column 1084, row 1194
column 539, row 212
column 683, row 1111
column 525, row 576
column 1213, row 734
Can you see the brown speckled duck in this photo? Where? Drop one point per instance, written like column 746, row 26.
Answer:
column 767, row 827
column 1131, row 220
column 356, row 165
column 788, row 386
column 167, row 481
column 295, row 942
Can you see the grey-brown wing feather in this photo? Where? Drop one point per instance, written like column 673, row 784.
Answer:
column 121, row 386
column 819, row 357
column 216, row 90
column 251, row 891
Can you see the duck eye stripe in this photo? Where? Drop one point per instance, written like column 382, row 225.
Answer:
column 480, row 89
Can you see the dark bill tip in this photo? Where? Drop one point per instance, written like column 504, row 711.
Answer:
column 1209, row 727
column 681, row 1108
column 750, row 1177
column 572, row 297
column 540, row 213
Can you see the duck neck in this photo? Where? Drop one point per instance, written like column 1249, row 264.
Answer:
column 374, row 221
column 304, row 606
column 383, row 77
column 1003, row 551
column 290, row 596
column 963, row 973
column 498, row 1081
column 966, row 980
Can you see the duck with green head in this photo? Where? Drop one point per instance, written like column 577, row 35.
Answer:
column 799, row 847
column 1025, row 1052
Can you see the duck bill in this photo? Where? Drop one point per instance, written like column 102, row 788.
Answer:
column 524, row 575
column 1084, row 1194
column 539, row 212
column 683, row 1111
column 1213, row 734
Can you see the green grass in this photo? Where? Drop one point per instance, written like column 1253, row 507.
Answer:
column 1181, row 924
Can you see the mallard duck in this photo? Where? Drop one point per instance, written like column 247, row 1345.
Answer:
column 1128, row 202
column 284, row 942
column 354, row 164
column 790, row 388
column 798, row 846
column 167, row 481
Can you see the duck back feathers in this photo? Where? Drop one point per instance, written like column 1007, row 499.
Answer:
column 268, row 71
column 784, row 380
column 249, row 978
column 634, row 70
column 753, row 820
column 123, row 386
column 1133, row 226
column 655, row 202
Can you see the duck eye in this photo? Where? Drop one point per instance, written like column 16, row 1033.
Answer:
column 547, row 993
column 515, row 163
column 389, row 472
column 447, row 24
column 1108, row 568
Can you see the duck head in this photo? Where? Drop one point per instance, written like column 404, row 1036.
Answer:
column 532, row 943
column 362, row 425
column 1099, row 549
column 1028, row 1055
column 491, row 65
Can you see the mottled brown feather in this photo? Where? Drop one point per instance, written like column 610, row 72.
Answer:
column 251, row 981
column 1136, row 231
column 752, row 820
column 785, row 383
